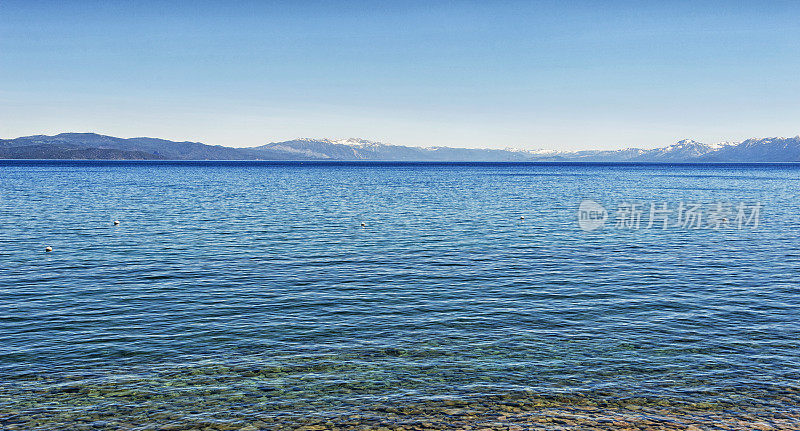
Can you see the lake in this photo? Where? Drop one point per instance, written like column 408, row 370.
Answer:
column 248, row 295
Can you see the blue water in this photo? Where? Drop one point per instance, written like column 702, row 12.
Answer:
column 238, row 290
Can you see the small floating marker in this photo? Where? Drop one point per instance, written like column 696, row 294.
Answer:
column 116, row 222
column 522, row 217
column 48, row 249
column 363, row 224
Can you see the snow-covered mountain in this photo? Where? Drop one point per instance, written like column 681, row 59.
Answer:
column 682, row 150
column 761, row 150
column 361, row 149
column 687, row 150
column 94, row 146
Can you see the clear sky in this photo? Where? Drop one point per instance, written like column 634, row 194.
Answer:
column 527, row 74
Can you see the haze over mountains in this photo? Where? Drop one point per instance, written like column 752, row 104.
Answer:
column 94, row 146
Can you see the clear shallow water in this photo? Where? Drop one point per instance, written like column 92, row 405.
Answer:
column 248, row 295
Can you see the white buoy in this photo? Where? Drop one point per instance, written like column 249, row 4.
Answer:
column 522, row 217
column 363, row 224
column 48, row 249
column 116, row 222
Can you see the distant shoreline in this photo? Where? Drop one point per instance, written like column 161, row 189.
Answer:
column 93, row 146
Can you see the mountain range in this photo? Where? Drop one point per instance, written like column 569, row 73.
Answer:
column 95, row 146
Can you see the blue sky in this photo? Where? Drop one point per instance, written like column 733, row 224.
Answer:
column 562, row 75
